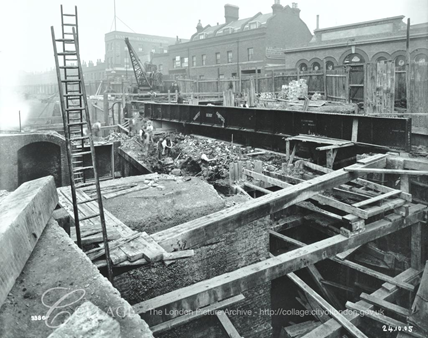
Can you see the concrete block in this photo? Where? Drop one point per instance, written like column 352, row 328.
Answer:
column 90, row 322
column 23, row 216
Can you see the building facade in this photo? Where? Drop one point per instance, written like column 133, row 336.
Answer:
column 117, row 61
column 223, row 50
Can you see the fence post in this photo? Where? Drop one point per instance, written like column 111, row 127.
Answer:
column 325, row 79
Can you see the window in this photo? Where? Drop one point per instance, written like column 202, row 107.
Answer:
column 234, row 75
column 204, row 59
column 228, row 30
column 250, row 52
column 421, row 58
column 194, row 61
column 381, row 58
column 217, row 58
column 201, row 36
column 253, row 25
column 221, row 76
column 201, row 77
column 140, row 49
column 185, row 62
column 303, row 67
column 316, row 66
column 354, row 58
column 329, row 65
column 160, row 68
column 400, row 62
column 229, row 57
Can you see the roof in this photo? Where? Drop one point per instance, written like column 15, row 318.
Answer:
column 363, row 23
column 235, row 25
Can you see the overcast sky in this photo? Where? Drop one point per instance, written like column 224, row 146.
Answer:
column 25, row 40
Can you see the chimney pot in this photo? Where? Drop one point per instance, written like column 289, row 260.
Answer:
column 231, row 13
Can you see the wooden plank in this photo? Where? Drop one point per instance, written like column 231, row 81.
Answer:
column 416, row 245
column 300, row 328
column 228, row 327
column 181, row 320
column 98, row 252
column 229, row 284
column 258, row 166
column 201, row 229
column 335, row 146
column 388, row 171
column 346, row 253
column 351, row 328
column 256, row 187
column 381, row 318
column 399, row 310
column 323, row 200
column 354, row 137
column 350, row 264
column 376, row 198
column 386, row 292
column 125, row 191
column 24, row 214
column 381, row 188
column 374, row 273
column 169, row 256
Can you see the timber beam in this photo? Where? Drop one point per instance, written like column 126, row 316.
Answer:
column 227, row 285
column 198, row 231
column 387, row 292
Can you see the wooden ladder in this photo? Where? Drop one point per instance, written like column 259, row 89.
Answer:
column 77, row 124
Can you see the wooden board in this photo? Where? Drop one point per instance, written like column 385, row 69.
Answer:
column 24, row 214
column 227, row 325
column 229, row 284
column 202, row 229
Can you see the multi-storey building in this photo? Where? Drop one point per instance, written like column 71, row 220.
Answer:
column 117, row 62
column 222, row 50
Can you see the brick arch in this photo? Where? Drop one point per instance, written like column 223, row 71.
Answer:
column 12, row 144
column 398, row 53
column 358, row 51
column 298, row 63
column 379, row 54
column 311, row 62
column 418, row 51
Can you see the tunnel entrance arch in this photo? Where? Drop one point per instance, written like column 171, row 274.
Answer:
column 39, row 159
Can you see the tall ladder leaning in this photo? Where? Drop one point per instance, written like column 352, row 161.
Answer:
column 75, row 115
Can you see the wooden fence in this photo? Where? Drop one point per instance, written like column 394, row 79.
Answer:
column 418, row 88
column 380, row 88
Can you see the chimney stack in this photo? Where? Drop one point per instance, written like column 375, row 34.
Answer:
column 318, row 21
column 231, row 13
column 199, row 27
column 295, row 8
column 277, row 7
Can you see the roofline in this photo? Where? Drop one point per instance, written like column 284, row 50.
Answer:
column 355, row 43
column 231, row 5
column 141, row 34
column 401, row 17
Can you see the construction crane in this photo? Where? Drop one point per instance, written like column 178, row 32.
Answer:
column 148, row 79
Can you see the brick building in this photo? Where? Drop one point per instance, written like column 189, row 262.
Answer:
column 220, row 51
column 117, row 62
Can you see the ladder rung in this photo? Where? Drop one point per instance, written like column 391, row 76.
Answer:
column 65, row 40
column 68, row 67
column 76, row 108
column 68, row 81
column 75, row 162
column 80, row 154
column 73, row 95
column 77, row 123
column 69, row 24
column 88, row 217
column 74, row 91
column 79, row 138
column 82, row 169
column 68, row 33
column 67, row 53
column 71, row 60
column 68, row 14
column 87, row 201
column 84, row 185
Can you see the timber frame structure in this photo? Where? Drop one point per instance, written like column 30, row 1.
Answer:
column 364, row 223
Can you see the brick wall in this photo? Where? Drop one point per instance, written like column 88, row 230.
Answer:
column 224, row 253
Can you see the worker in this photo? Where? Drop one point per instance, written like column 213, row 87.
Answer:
column 180, row 98
column 96, row 129
column 166, row 146
column 148, row 141
column 159, row 148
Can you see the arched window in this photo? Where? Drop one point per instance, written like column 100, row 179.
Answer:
column 421, row 58
column 381, row 58
column 400, row 62
column 303, row 67
column 354, row 58
column 329, row 65
column 316, row 66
